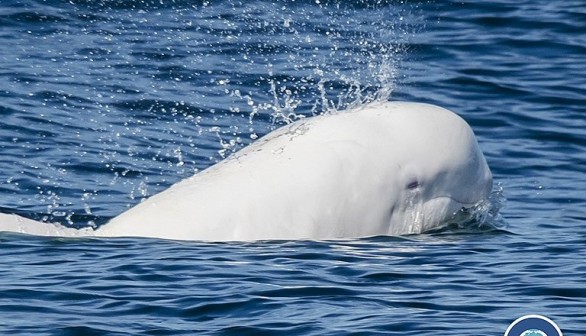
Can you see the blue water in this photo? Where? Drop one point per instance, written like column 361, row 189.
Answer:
column 103, row 103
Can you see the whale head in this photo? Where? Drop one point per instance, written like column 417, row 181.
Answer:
column 442, row 170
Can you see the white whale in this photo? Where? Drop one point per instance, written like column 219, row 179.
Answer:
column 386, row 168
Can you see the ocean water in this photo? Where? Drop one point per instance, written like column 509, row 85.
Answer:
column 106, row 102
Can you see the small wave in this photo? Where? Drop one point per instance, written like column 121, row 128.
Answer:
column 30, row 17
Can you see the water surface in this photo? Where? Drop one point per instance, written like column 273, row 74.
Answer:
column 106, row 102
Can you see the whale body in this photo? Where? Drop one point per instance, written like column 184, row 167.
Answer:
column 385, row 168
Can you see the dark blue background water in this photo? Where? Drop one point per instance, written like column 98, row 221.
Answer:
column 105, row 102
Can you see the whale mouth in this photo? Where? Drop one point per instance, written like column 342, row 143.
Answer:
column 445, row 210
column 446, row 213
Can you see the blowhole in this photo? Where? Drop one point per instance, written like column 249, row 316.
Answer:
column 413, row 185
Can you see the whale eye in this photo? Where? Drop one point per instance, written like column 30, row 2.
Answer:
column 413, row 185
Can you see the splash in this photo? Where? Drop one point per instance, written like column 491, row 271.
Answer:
column 306, row 59
column 324, row 64
column 482, row 217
